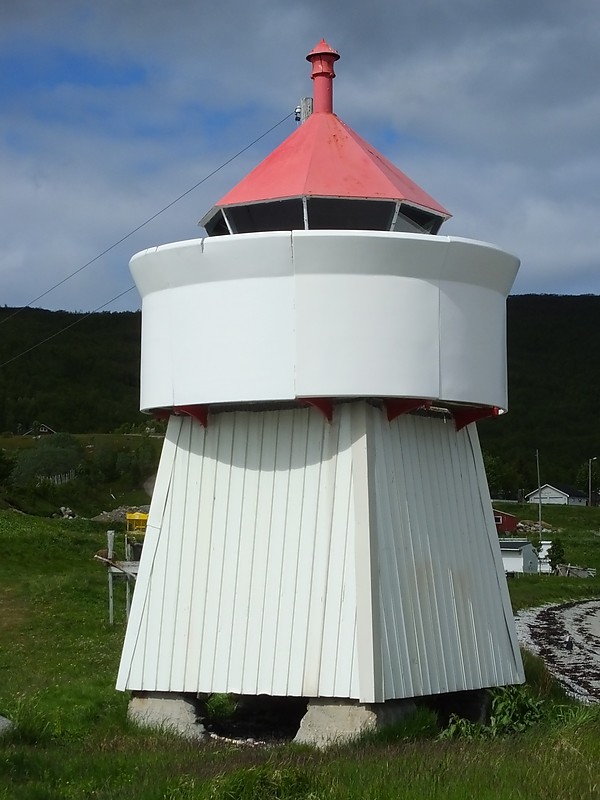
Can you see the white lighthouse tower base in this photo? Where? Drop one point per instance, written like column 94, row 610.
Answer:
column 344, row 552
column 288, row 555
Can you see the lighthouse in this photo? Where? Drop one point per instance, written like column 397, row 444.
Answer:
column 321, row 526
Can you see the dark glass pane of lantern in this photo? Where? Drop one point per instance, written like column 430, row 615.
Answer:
column 282, row 215
column 336, row 213
column 425, row 220
column 217, row 226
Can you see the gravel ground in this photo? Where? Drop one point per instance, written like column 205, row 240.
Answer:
column 544, row 631
column 118, row 514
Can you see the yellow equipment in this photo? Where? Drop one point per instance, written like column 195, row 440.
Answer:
column 136, row 522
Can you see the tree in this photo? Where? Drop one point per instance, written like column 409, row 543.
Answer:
column 582, row 480
column 493, row 471
column 503, row 478
column 535, row 539
column 556, row 554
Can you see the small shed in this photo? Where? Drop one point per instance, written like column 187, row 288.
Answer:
column 557, row 494
column 505, row 523
column 518, row 555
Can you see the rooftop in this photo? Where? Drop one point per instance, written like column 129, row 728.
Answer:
column 324, row 159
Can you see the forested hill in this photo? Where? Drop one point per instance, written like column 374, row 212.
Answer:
column 87, row 379
column 554, row 390
column 83, row 380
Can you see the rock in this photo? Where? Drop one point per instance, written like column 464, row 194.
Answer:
column 531, row 526
column 168, row 711
column 5, row 726
column 331, row 721
column 118, row 514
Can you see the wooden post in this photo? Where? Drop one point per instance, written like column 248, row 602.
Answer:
column 110, row 542
column 127, row 598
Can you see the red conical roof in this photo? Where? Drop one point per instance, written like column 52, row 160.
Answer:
column 324, row 157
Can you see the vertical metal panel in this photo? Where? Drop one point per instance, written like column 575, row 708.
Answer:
column 337, row 634
column 301, row 672
column 185, row 631
column 445, row 625
column 131, row 671
column 249, row 583
column 366, row 559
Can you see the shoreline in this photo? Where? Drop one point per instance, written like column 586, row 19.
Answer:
column 544, row 631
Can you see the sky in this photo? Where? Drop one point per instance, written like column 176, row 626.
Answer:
column 111, row 110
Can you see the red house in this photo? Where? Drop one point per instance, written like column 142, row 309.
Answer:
column 505, row 523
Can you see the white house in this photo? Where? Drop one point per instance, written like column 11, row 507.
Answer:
column 557, row 494
column 518, row 555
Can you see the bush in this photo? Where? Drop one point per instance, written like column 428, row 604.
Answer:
column 556, row 553
column 53, row 455
column 513, row 710
column 220, row 706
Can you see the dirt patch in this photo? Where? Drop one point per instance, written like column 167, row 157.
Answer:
column 12, row 611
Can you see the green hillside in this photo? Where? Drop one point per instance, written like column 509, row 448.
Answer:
column 554, row 389
column 87, row 380
column 83, row 380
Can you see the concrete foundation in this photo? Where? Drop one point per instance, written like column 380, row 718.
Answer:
column 168, row 711
column 330, row 721
column 327, row 721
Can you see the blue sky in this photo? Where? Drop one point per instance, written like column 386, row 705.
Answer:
column 109, row 111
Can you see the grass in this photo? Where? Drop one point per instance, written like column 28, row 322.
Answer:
column 529, row 591
column 71, row 738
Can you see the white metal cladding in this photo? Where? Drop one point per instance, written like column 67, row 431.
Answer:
column 245, row 318
column 247, row 578
column 289, row 556
column 444, row 615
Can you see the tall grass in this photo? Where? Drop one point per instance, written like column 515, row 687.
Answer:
column 71, row 739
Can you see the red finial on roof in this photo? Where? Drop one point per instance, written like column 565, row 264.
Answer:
column 322, row 58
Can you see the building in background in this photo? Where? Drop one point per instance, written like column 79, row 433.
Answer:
column 519, row 556
column 505, row 523
column 557, row 494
